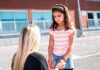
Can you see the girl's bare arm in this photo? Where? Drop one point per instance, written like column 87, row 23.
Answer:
column 50, row 51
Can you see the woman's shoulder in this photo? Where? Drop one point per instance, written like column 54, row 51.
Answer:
column 40, row 59
column 34, row 61
column 37, row 55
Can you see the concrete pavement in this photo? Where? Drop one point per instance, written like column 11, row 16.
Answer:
column 86, row 53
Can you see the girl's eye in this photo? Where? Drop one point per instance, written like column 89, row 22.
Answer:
column 59, row 15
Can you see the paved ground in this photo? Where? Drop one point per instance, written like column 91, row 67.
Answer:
column 87, row 51
column 86, row 54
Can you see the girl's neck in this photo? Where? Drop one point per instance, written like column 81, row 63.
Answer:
column 60, row 27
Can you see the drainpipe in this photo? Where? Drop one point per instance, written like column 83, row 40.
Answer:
column 0, row 26
column 30, row 16
column 80, row 18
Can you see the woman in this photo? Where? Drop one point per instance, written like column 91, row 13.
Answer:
column 26, row 57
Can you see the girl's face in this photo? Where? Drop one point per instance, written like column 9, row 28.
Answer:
column 58, row 17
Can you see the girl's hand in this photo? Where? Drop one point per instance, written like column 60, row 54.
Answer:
column 61, row 64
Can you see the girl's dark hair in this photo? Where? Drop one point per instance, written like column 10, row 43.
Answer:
column 64, row 10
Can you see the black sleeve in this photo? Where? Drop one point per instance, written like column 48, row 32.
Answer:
column 42, row 60
column 31, row 63
column 36, row 61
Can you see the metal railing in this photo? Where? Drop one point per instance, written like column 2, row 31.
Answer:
column 16, row 26
column 44, row 25
column 92, row 23
column 99, row 22
column 12, row 26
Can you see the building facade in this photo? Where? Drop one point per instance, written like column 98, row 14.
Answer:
column 90, row 10
column 16, row 14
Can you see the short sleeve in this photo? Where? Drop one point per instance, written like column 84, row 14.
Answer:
column 72, row 31
column 51, row 32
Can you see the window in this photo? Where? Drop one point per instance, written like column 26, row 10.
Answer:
column 7, row 19
column 20, row 19
column 20, row 16
column 90, row 16
column 8, row 26
column 42, row 19
column 41, row 16
column 98, row 15
column 47, row 16
column 6, row 16
column 98, row 18
column 13, row 21
column 90, row 19
column 94, row 19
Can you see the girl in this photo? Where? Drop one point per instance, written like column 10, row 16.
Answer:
column 62, row 33
column 26, row 57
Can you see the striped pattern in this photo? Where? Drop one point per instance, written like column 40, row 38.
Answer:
column 61, row 41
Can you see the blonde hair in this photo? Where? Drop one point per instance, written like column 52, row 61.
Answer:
column 28, row 43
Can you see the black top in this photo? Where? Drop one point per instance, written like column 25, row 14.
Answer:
column 35, row 61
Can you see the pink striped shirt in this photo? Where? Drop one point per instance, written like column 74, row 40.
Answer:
column 61, row 41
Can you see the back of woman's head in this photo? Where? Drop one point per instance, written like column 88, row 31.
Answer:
column 29, row 41
column 64, row 10
column 30, row 38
